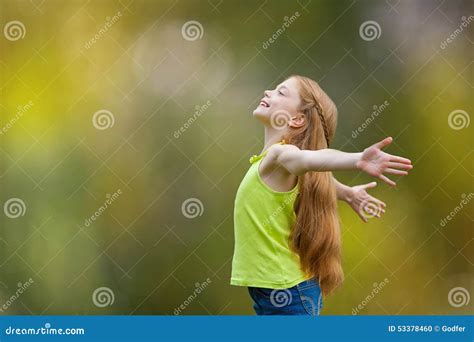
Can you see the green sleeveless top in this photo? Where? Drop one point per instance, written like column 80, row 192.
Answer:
column 263, row 219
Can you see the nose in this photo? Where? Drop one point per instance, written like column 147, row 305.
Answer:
column 266, row 93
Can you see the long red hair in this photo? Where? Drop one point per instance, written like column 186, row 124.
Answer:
column 315, row 236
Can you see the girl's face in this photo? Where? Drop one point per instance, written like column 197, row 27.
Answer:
column 280, row 103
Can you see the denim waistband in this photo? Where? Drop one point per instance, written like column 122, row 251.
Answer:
column 308, row 283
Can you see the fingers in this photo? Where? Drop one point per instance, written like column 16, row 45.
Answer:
column 366, row 213
column 399, row 159
column 400, row 166
column 371, row 198
column 369, row 185
column 376, row 212
column 381, row 204
column 396, row 172
column 388, row 181
column 362, row 217
column 383, row 143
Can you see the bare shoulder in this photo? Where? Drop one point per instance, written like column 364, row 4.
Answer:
column 289, row 157
column 278, row 152
column 275, row 151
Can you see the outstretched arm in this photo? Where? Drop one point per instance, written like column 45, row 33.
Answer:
column 372, row 160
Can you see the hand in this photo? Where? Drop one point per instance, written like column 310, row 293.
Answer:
column 363, row 204
column 375, row 162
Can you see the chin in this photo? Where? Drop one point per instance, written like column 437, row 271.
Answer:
column 261, row 112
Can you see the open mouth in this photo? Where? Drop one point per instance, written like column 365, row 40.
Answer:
column 263, row 103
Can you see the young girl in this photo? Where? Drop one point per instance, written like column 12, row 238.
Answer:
column 287, row 237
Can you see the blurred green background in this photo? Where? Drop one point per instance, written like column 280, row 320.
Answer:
column 139, row 113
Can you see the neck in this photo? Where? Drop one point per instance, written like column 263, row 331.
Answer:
column 272, row 136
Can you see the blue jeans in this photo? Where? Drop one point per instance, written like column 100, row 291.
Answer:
column 304, row 298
